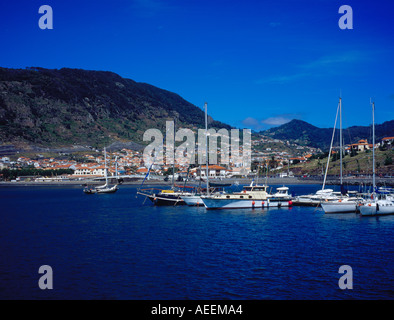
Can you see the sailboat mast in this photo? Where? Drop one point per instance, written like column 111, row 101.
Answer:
column 373, row 146
column 340, row 136
column 329, row 153
column 116, row 167
column 266, row 174
column 105, row 162
column 173, row 162
column 206, row 145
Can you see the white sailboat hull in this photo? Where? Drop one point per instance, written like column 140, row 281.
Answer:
column 107, row 189
column 368, row 209
column 381, row 207
column 339, row 207
column 192, row 200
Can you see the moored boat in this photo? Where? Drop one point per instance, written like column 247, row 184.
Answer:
column 343, row 205
column 383, row 203
column 316, row 199
column 192, row 199
column 106, row 188
column 167, row 198
column 283, row 193
column 88, row 190
column 252, row 196
column 384, row 206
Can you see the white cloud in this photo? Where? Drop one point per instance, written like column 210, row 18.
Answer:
column 317, row 67
column 258, row 124
column 252, row 123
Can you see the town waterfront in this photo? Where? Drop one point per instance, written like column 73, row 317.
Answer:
column 115, row 246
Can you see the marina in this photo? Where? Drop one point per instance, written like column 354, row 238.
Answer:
column 256, row 196
column 113, row 246
column 117, row 182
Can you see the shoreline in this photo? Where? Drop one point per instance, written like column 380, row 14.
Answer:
column 240, row 181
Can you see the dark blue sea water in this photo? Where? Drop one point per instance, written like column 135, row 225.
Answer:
column 113, row 247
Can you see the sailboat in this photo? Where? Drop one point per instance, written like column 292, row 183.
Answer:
column 323, row 195
column 195, row 199
column 164, row 197
column 384, row 205
column 344, row 204
column 106, row 188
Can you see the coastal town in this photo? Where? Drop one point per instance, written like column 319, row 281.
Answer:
column 197, row 158
column 129, row 164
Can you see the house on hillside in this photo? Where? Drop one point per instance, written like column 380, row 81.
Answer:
column 213, row 171
column 387, row 142
column 298, row 160
column 362, row 145
column 85, row 170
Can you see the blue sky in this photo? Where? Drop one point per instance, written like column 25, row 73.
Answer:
column 258, row 64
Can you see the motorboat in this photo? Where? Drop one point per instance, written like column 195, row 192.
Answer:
column 252, row 196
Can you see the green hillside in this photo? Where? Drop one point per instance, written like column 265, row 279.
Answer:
column 53, row 108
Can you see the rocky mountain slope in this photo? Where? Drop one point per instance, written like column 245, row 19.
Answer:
column 55, row 108
column 303, row 133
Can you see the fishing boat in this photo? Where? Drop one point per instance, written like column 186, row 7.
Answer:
column 381, row 203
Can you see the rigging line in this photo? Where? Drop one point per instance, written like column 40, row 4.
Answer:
column 329, row 153
column 316, row 207
column 153, row 162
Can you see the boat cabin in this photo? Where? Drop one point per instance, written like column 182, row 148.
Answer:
column 282, row 191
column 254, row 188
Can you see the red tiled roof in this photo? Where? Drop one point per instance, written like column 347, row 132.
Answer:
column 214, row 167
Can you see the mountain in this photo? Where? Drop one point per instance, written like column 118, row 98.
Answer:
column 303, row 133
column 55, row 108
